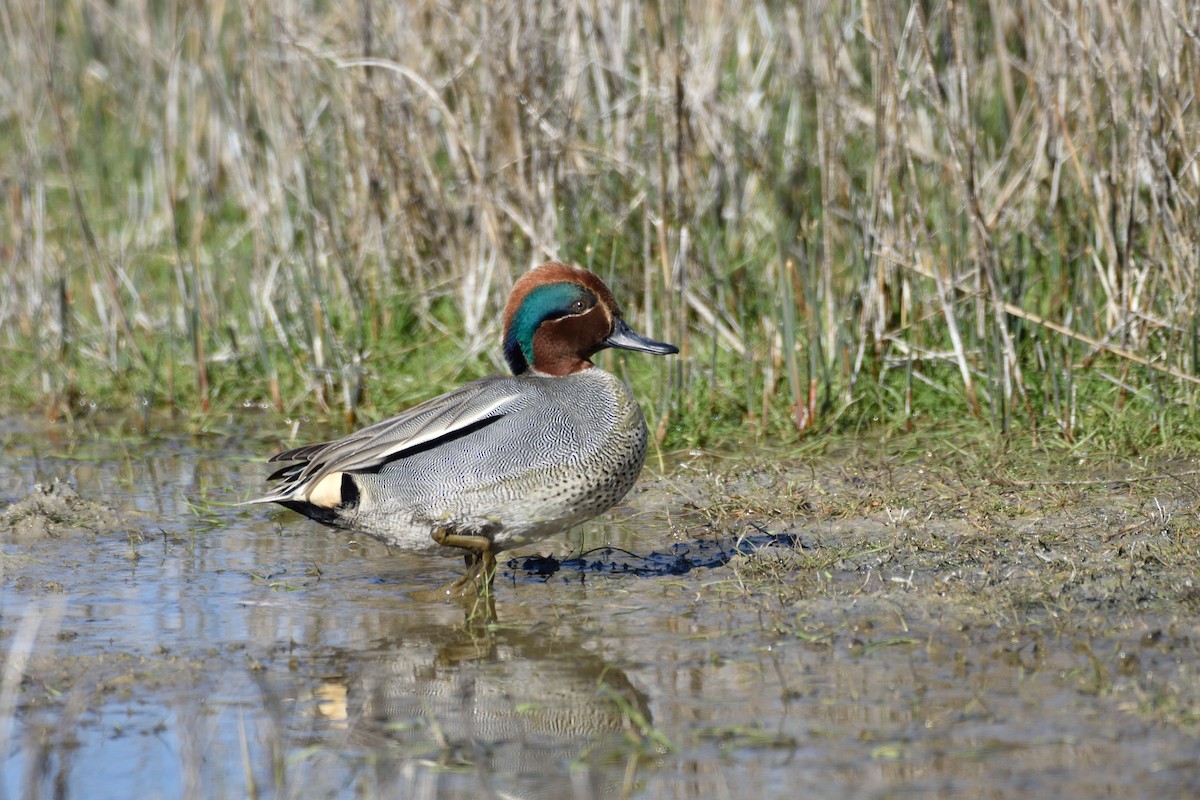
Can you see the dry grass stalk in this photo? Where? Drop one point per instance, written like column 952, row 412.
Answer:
column 272, row 190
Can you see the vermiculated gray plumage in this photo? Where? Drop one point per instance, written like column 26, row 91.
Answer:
column 513, row 458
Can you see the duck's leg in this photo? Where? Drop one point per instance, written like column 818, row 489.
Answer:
column 481, row 566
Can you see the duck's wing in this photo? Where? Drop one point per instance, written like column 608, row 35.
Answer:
column 454, row 414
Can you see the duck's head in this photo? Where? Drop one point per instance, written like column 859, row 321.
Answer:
column 559, row 316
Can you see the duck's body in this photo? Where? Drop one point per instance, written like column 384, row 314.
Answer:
column 547, row 454
column 500, row 462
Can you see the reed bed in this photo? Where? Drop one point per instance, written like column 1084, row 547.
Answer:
column 845, row 214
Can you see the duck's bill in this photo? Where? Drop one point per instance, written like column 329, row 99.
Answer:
column 627, row 338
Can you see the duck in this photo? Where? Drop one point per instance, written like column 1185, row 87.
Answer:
column 500, row 462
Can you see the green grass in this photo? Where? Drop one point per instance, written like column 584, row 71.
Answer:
column 871, row 218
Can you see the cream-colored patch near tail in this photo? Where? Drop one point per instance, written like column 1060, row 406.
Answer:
column 328, row 491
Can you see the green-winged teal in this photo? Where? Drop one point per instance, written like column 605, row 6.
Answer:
column 503, row 461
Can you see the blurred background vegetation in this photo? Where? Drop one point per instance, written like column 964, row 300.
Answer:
column 851, row 216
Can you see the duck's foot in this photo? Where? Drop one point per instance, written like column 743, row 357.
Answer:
column 481, row 568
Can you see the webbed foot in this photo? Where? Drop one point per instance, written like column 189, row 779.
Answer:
column 481, row 568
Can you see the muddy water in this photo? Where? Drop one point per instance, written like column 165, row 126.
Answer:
column 181, row 646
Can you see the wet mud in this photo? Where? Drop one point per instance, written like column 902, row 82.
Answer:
column 859, row 625
column 55, row 509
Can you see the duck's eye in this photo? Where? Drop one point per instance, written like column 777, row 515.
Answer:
column 580, row 305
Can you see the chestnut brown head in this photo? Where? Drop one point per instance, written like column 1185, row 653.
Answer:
column 559, row 316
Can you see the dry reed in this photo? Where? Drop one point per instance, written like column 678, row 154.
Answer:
column 896, row 209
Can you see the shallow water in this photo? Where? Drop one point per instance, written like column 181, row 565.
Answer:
column 194, row 648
